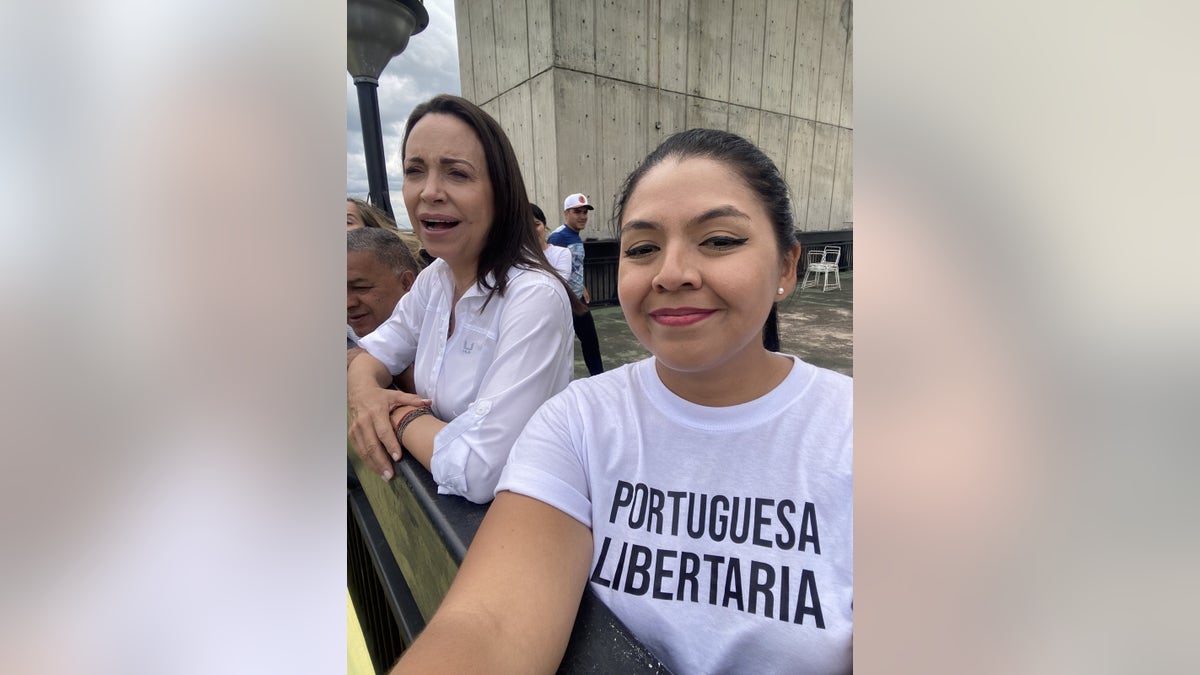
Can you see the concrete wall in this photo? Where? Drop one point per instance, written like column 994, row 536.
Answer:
column 586, row 88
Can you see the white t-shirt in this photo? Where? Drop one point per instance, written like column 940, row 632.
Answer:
column 488, row 378
column 721, row 536
column 560, row 260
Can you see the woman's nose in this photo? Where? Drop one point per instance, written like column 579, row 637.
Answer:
column 677, row 270
column 431, row 188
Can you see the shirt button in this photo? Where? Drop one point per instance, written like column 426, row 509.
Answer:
column 482, row 408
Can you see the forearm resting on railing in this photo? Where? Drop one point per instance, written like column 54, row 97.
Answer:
column 419, row 435
column 370, row 405
column 513, row 603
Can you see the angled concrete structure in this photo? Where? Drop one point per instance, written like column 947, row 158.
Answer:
column 586, row 88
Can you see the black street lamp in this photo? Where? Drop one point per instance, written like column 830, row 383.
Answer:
column 376, row 31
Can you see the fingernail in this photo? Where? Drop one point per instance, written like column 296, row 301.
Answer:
column 387, row 475
column 396, row 456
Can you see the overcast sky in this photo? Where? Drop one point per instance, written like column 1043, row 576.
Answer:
column 428, row 66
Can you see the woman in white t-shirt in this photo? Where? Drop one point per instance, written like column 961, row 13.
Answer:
column 558, row 257
column 703, row 494
column 486, row 327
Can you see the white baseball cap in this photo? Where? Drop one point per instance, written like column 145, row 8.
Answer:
column 577, row 200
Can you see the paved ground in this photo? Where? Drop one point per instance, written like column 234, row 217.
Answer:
column 817, row 327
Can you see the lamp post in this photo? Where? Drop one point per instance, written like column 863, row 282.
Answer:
column 376, row 31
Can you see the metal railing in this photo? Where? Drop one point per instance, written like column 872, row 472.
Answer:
column 401, row 562
column 819, row 240
column 382, row 600
column 600, row 271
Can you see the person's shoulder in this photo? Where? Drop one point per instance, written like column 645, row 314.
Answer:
column 823, row 389
column 607, row 389
column 434, row 270
column 527, row 284
column 435, row 276
column 830, row 378
column 808, row 372
column 520, row 276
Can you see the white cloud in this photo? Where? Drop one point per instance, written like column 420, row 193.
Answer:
column 428, row 66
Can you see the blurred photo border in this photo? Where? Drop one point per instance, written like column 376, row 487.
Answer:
column 1025, row 330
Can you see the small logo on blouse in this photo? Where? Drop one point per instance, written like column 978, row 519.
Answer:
column 467, row 347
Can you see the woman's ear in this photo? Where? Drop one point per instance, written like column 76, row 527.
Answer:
column 787, row 275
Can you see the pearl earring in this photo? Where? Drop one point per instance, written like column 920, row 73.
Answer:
column 781, row 290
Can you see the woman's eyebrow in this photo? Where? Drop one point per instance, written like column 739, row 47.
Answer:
column 639, row 225
column 726, row 211
column 444, row 161
column 450, row 161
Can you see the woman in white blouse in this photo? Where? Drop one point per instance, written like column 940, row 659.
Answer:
column 487, row 326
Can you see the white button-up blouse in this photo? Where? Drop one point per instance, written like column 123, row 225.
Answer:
column 503, row 361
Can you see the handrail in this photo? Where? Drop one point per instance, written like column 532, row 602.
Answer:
column 428, row 534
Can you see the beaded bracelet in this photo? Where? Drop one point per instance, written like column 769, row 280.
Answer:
column 408, row 418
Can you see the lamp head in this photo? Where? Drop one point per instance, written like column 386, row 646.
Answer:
column 377, row 30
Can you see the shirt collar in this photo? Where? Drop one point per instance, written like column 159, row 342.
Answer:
column 447, row 280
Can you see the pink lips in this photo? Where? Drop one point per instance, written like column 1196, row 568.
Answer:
column 442, row 222
column 680, row 316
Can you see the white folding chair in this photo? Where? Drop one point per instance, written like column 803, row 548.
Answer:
column 823, row 262
column 833, row 254
column 811, row 268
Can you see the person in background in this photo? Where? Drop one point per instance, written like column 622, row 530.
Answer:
column 380, row 269
column 486, row 326
column 361, row 214
column 575, row 217
column 558, row 257
column 715, row 519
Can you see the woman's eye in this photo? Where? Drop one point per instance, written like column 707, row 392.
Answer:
column 640, row 250
column 411, row 171
column 724, row 243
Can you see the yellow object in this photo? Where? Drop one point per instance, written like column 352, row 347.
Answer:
column 358, row 659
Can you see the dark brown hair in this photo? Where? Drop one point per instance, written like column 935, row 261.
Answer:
column 510, row 242
column 743, row 157
column 747, row 161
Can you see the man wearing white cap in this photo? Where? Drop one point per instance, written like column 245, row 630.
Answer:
column 576, row 209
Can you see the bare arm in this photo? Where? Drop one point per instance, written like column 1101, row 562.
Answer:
column 513, row 604
column 369, row 404
column 419, row 435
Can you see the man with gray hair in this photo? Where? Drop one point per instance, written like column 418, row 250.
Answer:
column 380, row 269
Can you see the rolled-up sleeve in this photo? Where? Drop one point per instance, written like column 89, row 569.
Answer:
column 533, row 361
